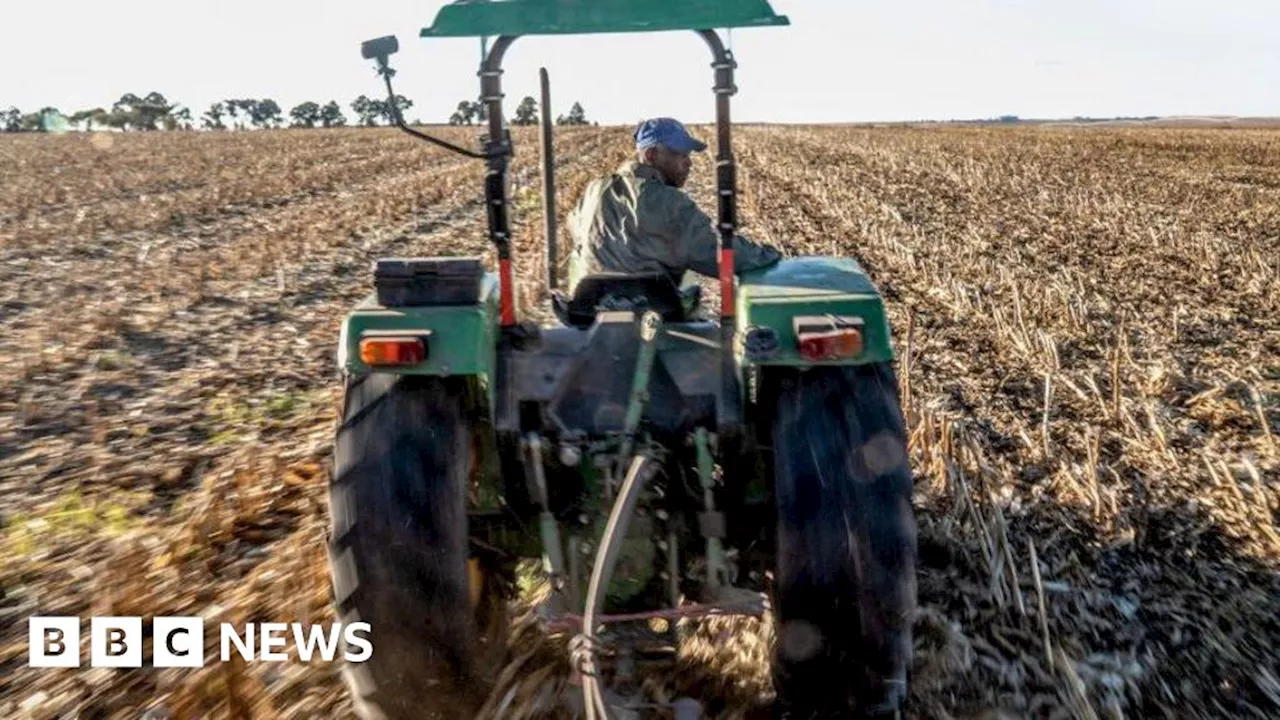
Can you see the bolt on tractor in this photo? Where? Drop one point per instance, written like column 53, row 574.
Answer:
column 659, row 463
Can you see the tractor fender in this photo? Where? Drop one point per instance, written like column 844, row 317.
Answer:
column 774, row 304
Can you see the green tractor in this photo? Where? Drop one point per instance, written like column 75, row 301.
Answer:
column 658, row 463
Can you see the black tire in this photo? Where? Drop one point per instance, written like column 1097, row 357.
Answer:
column 845, row 586
column 399, row 546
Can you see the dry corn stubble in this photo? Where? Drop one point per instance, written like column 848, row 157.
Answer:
column 1092, row 392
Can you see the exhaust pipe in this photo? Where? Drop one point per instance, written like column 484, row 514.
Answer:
column 548, row 181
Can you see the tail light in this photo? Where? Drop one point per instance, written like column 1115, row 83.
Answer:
column 392, row 350
column 828, row 337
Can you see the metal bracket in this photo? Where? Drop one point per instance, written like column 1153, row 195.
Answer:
column 548, row 528
column 710, row 522
column 650, row 326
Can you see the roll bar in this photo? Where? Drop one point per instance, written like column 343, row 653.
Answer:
column 497, row 153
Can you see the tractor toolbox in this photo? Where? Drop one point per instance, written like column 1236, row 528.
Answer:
column 406, row 282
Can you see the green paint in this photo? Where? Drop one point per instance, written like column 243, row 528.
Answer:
column 651, row 328
column 812, row 286
column 567, row 17
column 463, row 338
column 716, row 567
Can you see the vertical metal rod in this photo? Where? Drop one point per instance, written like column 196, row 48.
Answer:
column 548, row 181
column 548, row 528
column 729, row 402
column 496, row 198
column 726, row 170
column 715, row 549
column 650, row 326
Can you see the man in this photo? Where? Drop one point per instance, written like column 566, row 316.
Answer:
column 639, row 221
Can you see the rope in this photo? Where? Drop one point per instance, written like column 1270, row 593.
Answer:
column 582, row 654
column 571, row 621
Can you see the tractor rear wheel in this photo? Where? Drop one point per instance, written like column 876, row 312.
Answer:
column 846, row 542
column 399, row 546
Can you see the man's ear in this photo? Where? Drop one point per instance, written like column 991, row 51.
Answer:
column 650, row 154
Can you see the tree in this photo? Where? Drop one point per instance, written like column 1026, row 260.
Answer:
column 146, row 113
column 368, row 110
column 331, row 115
column 402, row 103
column 119, row 120
column 179, row 119
column 156, row 109
column 233, row 109
column 526, row 112
column 241, row 107
column 266, row 113
column 468, row 112
column 213, row 116
column 464, row 114
column 11, row 120
column 89, row 117
column 577, row 116
column 305, row 115
column 124, row 112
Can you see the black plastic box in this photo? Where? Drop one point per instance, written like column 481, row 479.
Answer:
column 406, row 282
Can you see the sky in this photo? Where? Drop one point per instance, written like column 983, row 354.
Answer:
column 838, row 61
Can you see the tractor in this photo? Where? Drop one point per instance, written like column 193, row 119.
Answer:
column 653, row 461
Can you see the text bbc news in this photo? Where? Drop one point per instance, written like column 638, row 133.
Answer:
column 55, row 641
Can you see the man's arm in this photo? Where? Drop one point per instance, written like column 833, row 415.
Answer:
column 697, row 242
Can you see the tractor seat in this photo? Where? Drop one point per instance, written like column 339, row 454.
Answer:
column 624, row 291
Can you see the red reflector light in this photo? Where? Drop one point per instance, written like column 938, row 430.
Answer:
column 384, row 351
column 827, row 337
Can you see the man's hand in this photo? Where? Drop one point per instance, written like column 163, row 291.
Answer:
column 749, row 255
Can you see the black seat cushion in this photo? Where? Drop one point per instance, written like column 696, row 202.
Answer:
column 622, row 291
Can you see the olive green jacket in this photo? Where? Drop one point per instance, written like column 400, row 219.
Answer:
column 633, row 222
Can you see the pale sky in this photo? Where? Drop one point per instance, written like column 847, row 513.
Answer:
column 839, row 61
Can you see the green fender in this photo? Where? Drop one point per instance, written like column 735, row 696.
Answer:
column 462, row 338
column 809, row 286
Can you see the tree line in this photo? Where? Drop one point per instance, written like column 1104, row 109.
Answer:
column 469, row 112
column 156, row 112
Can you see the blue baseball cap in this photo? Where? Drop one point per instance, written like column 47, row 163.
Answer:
column 669, row 133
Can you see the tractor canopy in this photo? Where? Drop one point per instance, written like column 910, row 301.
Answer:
column 568, row 17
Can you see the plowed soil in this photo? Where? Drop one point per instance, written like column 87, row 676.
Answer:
column 1087, row 323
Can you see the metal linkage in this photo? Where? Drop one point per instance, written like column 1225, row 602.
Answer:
column 549, row 530
column 650, row 326
column 710, row 522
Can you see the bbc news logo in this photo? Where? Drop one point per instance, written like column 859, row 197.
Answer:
column 55, row 642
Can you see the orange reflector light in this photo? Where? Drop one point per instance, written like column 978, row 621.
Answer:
column 834, row 345
column 828, row 337
column 384, row 351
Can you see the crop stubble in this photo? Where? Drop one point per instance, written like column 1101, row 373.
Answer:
column 1089, row 321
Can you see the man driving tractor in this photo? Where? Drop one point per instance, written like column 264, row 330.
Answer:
column 638, row 220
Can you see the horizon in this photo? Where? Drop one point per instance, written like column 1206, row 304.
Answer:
column 932, row 62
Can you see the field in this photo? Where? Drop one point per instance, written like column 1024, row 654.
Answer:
column 1088, row 330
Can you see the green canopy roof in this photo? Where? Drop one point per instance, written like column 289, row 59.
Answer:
column 474, row 18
